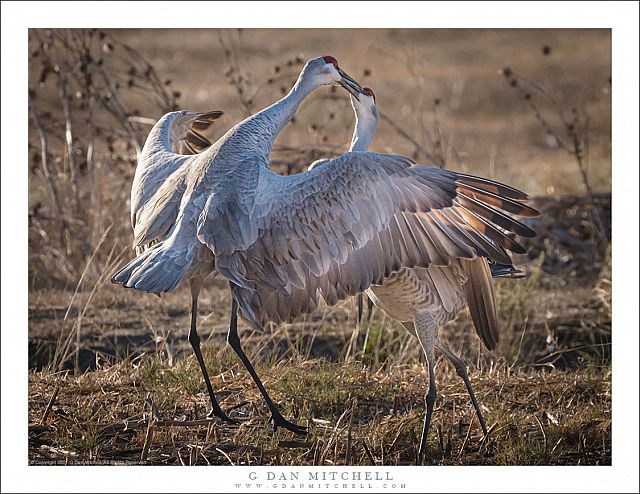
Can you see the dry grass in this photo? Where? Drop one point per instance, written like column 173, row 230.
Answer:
column 356, row 416
column 545, row 391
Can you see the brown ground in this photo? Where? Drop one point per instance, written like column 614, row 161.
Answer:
column 545, row 391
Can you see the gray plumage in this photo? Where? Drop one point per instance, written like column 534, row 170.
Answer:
column 414, row 236
column 174, row 137
column 171, row 194
column 171, row 191
column 424, row 299
column 350, row 223
column 157, row 189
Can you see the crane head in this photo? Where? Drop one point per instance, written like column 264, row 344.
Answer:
column 365, row 106
column 325, row 70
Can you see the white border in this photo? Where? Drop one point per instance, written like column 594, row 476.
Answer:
column 621, row 16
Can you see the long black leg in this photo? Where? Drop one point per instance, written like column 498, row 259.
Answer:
column 194, row 339
column 461, row 370
column 429, row 399
column 234, row 341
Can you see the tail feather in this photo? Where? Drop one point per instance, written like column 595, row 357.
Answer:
column 481, row 298
column 157, row 270
column 247, row 300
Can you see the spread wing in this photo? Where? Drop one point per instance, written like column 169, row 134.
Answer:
column 156, row 196
column 335, row 230
column 159, row 214
column 175, row 136
column 185, row 134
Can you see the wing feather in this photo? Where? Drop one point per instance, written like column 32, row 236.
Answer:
column 185, row 137
column 173, row 137
column 159, row 214
column 333, row 231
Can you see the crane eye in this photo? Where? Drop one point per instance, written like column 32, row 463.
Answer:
column 331, row 60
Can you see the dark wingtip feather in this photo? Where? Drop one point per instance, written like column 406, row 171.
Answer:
column 197, row 139
column 492, row 186
column 505, row 271
column 495, row 216
column 204, row 120
column 499, row 201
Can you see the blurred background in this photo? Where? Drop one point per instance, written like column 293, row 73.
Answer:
column 531, row 108
column 497, row 103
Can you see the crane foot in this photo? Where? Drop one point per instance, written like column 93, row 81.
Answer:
column 217, row 412
column 280, row 421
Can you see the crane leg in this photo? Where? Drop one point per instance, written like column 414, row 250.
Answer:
column 461, row 370
column 429, row 399
column 234, row 342
column 194, row 339
column 426, row 327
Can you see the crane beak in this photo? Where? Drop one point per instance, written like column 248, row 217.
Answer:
column 350, row 84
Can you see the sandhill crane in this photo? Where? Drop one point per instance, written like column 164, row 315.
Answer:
column 366, row 115
column 227, row 169
column 366, row 124
column 164, row 162
column 424, row 299
column 284, row 242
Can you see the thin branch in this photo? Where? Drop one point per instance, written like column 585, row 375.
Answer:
column 404, row 134
column 120, row 111
column 49, row 406
column 44, row 153
column 233, row 73
column 62, row 85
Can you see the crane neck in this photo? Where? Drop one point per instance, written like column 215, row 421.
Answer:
column 364, row 131
column 281, row 112
column 254, row 137
column 159, row 138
